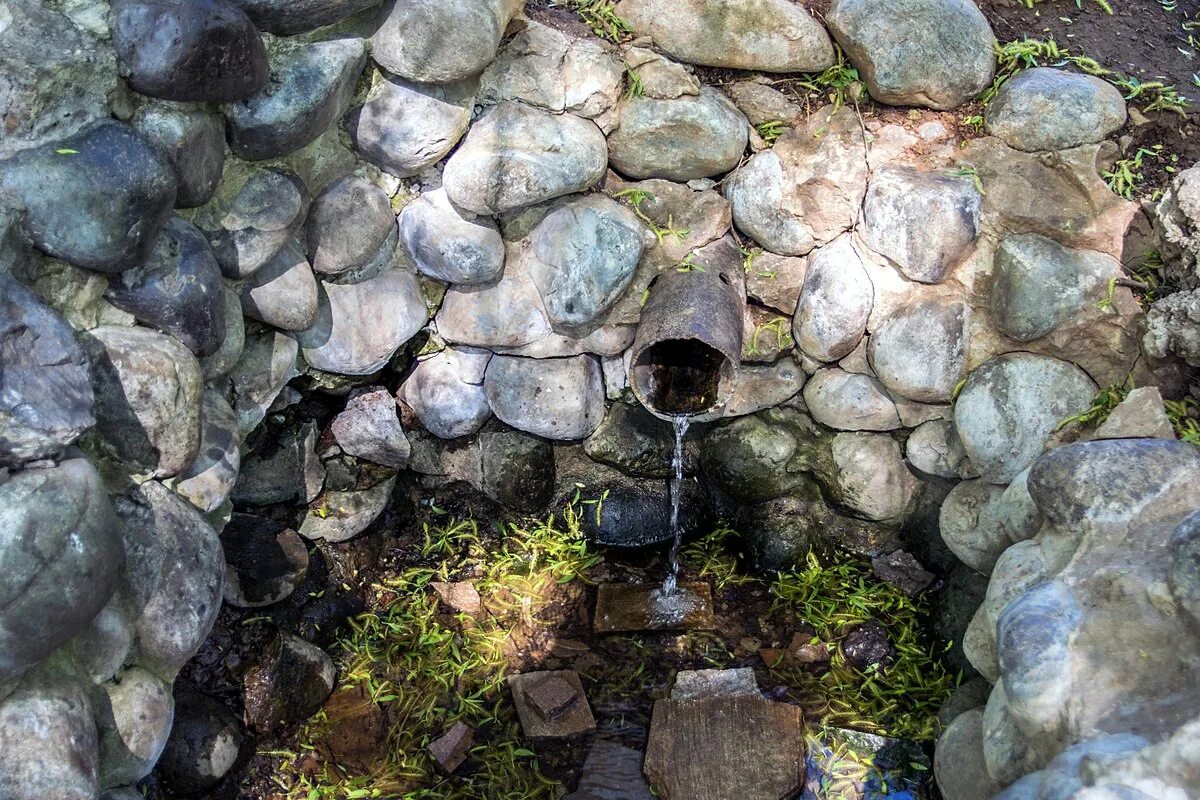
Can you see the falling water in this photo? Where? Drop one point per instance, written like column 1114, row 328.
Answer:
column 680, row 423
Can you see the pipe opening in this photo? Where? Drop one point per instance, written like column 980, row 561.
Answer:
column 680, row 376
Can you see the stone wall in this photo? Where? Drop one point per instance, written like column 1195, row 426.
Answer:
column 445, row 218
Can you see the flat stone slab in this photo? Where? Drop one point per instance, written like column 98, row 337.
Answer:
column 702, row 684
column 861, row 766
column 743, row 747
column 544, row 712
column 625, row 607
column 612, row 772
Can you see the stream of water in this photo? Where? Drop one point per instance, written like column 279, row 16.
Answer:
column 680, row 423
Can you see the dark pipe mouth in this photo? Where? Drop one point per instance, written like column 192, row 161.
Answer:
column 680, row 377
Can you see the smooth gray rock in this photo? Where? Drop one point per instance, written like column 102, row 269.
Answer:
column 445, row 391
column 935, row 53
column 766, row 455
column 264, row 561
column 61, row 557
column 516, row 156
column 285, row 469
column 849, row 402
column 133, row 717
column 441, row 41
column 46, row 399
column 681, row 139
column 611, row 772
column 190, row 50
column 360, row 326
column 287, row 684
column 506, row 313
column 1038, row 285
column 369, row 428
column 1141, row 415
column 761, row 35
column 193, row 140
column 267, row 363
column 924, row 223
column 921, row 352
column 835, row 302
column 761, row 103
column 557, row 398
column 405, row 127
column 48, row 743
column 872, row 479
column 762, row 386
column 1051, row 109
column 148, row 389
column 342, row 515
column 289, row 17
column 176, row 572
column 935, row 449
column 103, row 648
column 958, row 760
column 283, row 293
column 208, row 482
column 347, row 224
column 97, row 199
column 632, row 440
column 1011, row 404
column 516, row 469
column 248, row 224
column 311, row 86
column 178, row 290
column 220, row 362
column 450, row 244
column 203, row 745
column 585, row 254
column 971, row 524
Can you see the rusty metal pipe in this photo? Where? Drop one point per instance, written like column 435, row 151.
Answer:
column 688, row 346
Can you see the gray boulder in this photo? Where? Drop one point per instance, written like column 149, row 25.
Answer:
column 634, row 441
column 98, row 199
column 584, row 257
column 958, row 760
column 1009, row 407
column 1172, row 327
column 178, row 289
column 1038, row 285
column 835, row 302
column 369, row 428
column 921, row 352
column 219, row 363
column 1051, row 109
column 203, row 745
column 935, row 53
column 971, row 524
column 104, row 647
column 342, row 515
column 251, row 219
column 782, row 533
column 516, row 469
column 806, row 190
column 193, row 140
column 764, row 35
column 849, row 402
column 441, row 41
column 516, row 156
column 935, row 449
column 872, row 480
column 405, row 127
column 557, row 398
column 445, row 391
column 766, row 455
column 924, row 223
column 212, row 54
column 347, row 225
column 46, row 399
column 450, row 244
column 52, row 592
column 134, row 712
column 264, row 561
column 284, row 469
column 506, row 313
column 287, row 684
column 283, row 293
column 289, row 17
column 311, row 86
column 1176, row 221
column 148, row 389
column 267, row 363
column 681, row 139
column 48, row 743
column 208, row 482
column 762, row 386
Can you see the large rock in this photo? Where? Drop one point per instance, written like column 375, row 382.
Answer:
column 1176, row 221
column 558, row 398
column 849, row 402
column 681, row 139
column 515, row 469
column 517, row 156
column 48, row 743
column 134, row 716
column 935, row 53
column 369, row 428
column 219, row 363
column 288, row 684
column 924, row 223
column 348, row 224
column 98, row 199
column 191, row 50
column 545, row 67
column 203, row 745
column 806, row 190
column 61, row 557
column 310, row 88
column 450, row 244
column 342, row 515
column 405, row 127
column 971, row 524
column 503, row 314
column 360, row 326
column 872, row 479
column 834, row 304
column 435, row 41
column 584, row 257
column 252, row 218
column 764, row 35
column 283, row 293
column 267, row 363
column 1009, row 407
column 46, row 398
column 1051, row 109
column 765, row 456
column 921, row 352
column 445, row 391
column 958, row 760
column 193, row 141
column 782, row 533
column 284, row 469
column 264, row 561
column 1172, row 327
column 1038, row 285
column 289, row 17
column 208, row 482
column 148, row 390
column 634, row 441
column 935, row 449
column 178, row 289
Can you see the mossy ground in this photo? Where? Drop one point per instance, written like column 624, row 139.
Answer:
column 422, row 668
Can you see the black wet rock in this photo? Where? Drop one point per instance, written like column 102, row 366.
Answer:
column 178, row 290
column 638, row 513
column 98, row 199
column 190, row 50
column 321, row 617
column 288, row 684
column 204, row 743
column 46, row 398
column 348, row 224
column 517, row 469
column 289, row 17
column 193, row 141
column 310, row 87
column 867, row 645
column 251, row 226
column 264, row 561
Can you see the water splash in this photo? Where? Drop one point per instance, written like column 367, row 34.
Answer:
column 680, row 423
